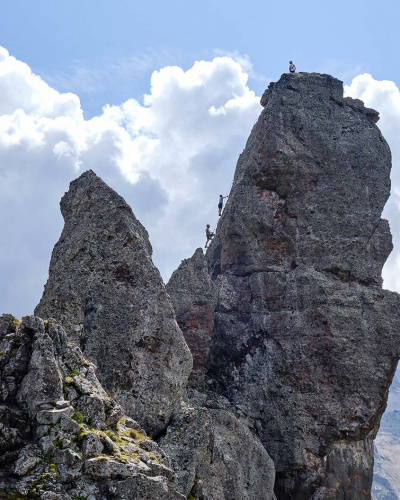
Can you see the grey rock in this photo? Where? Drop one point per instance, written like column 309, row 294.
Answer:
column 109, row 445
column 305, row 340
column 106, row 468
column 62, row 404
column 49, row 495
column 51, row 417
column 43, row 383
column 66, row 457
column 67, row 424
column 297, row 263
column 217, row 457
column 46, row 443
column 105, row 290
column 27, row 460
column 143, row 488
column 92, row 445
column 193, row 296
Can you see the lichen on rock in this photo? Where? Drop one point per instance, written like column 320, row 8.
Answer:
column 53, row 443
column 106, row 292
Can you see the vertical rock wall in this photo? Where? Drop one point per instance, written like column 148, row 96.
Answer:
column 193, row 296
column 305, row 341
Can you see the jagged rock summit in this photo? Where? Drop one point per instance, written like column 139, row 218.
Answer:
column 304, row 341
column 106, row 292
column 294, row 340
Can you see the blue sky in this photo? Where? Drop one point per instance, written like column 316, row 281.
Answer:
column 106, row 50
column 158, row 99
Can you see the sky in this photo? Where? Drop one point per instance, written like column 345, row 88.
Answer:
column 158, row 98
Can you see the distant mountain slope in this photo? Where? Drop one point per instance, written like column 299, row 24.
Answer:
column 386, row 485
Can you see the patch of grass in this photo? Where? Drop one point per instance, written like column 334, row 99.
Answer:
column 82, row 433
column 127, row 457
column 115, row 437
column 58, row 443
column 54, row 469
column 78, row 416
column 134, row 434
column 48, row 458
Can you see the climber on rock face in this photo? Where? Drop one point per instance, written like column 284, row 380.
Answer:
column 220, row 203
column 209, row 235
column 292, row 67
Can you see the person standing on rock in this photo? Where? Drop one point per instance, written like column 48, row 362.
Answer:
column 292, row 67
column 209, row 235
column 220, row 203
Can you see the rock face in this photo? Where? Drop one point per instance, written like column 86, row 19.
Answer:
column 294, row 341
column 61, row 436
column 193, row 296
column 305, row 341
column 105, row 291
column 215, row 456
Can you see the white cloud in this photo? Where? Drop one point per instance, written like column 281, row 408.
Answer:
column 169, row 157
column 384, row 96
column 91, row 76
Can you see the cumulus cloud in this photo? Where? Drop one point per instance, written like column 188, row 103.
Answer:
column 169, row 156
column 384, row 96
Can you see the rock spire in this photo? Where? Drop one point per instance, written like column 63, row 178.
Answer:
column 305, row 341
column 106, row 292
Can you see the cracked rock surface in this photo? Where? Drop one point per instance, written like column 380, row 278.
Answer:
column 305, row 341
column 61, row 435
column 106, row 292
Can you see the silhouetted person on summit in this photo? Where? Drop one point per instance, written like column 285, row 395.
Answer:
column 292, row 67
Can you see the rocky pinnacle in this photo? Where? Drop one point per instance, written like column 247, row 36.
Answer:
column 305, row 341
column 106, row 292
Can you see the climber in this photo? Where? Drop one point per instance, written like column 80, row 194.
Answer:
column 220, row 203
column 292, row 67
column 209, row 235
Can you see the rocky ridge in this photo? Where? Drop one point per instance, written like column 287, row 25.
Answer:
column 114, row 338
column 294, row 341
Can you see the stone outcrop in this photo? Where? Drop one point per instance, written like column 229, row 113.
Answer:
column 305, row 341
column 294, row 341
column 193, row 296
column 214, row 455
column 105, row 291
column 61, row 436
